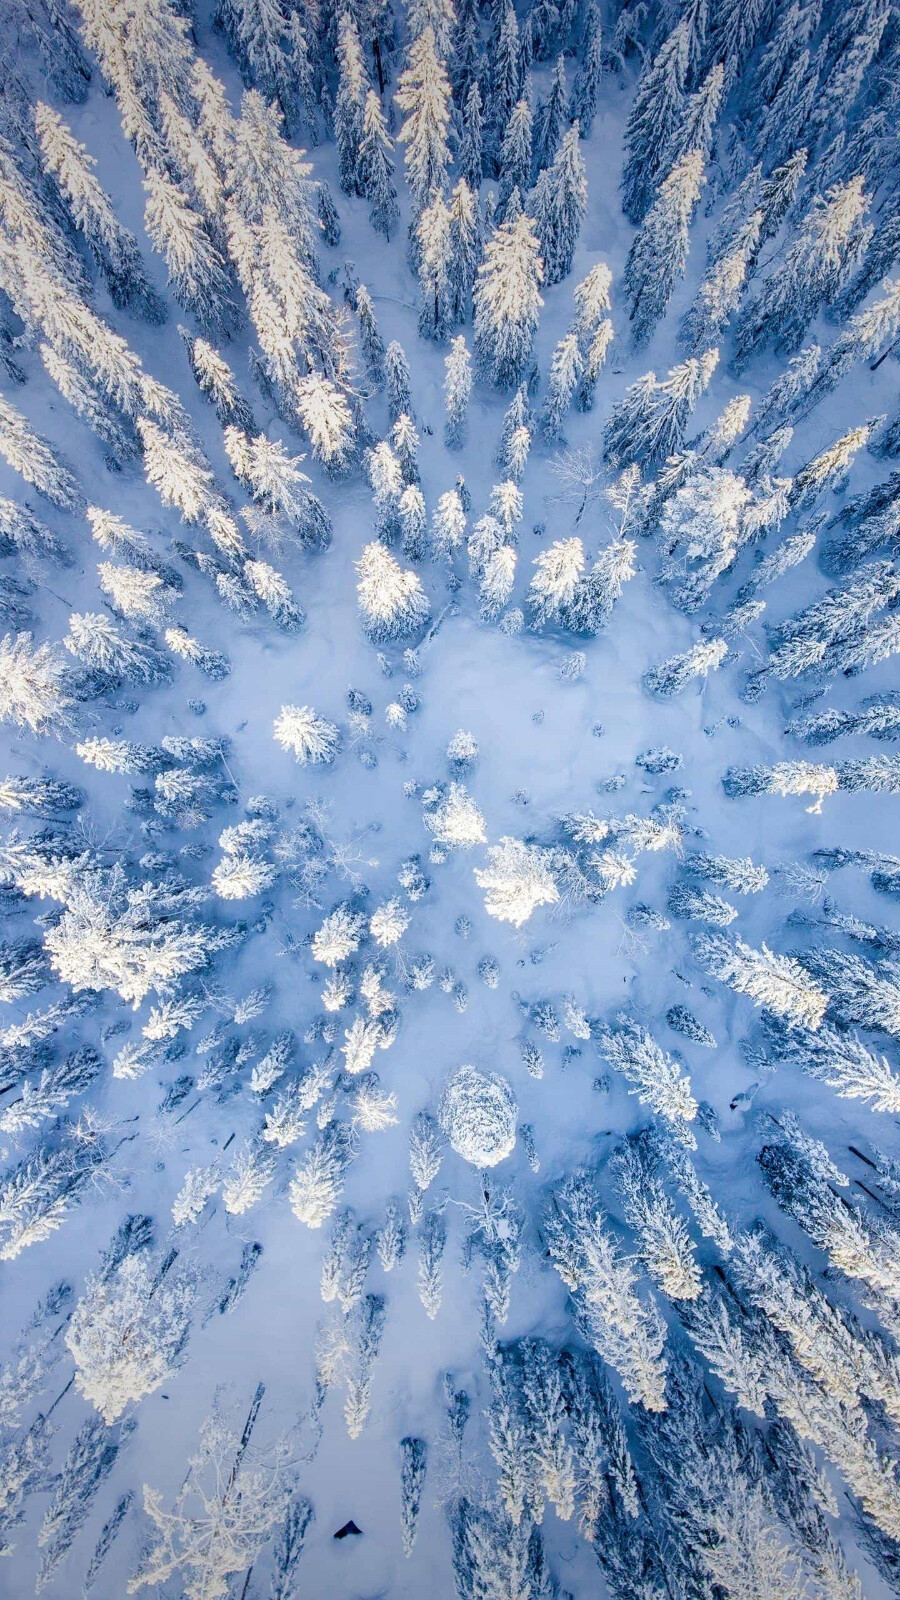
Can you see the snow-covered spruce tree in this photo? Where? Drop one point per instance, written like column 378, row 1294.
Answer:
column 114, row 248
column 198, row 274
column 589, row 76
column 33, row 685
column 785, row 778
column 829, row 245
column 457, row 393
column 430, row 1280
column 414, row 1457
column 453, row 818
column 657, row 1078
column 309, row 737
column 372, row 344
column 376, row 162
column 656, row 111
column 433, row 255
column 392, row 601
column 515, row 154
column 318, row 1181
column 34, row 458
column 649, row 422
column 466, row 248
column 135, row 938
column 507, row 299
column 423, row 93
column 673, row 676
column 217, row 381
column 471, row 149
column 658, row 256
column 664, row 1243
column 349, row 107
column 778, row 983
column 558, row 205
column 518, row 879
column 37, row 1194
column 626, row 1331
column 566, row 367
column 551, row 119
column 129, row 1330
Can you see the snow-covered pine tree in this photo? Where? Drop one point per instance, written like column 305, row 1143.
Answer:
column 558, row 204
column 658, row 255
column 392, row 601
column 551, row 119
column 470, row 158
column 433, row 255
column 457, row 393
column 656, row 111
column 423, row 93
column 507, row 299
column 589, row 76
column 114, row 248
column 399, row 395
column 34, row 458
column 515, row 155
column 414, row 1457
column 350, row 106
column 376, row 161
column 829, row 246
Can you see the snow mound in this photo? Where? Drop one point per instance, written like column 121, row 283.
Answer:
column 478, row 1115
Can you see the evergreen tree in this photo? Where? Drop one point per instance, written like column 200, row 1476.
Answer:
column 399, row 396
column 33, row 685
column 376, row 161
column 515, row 154
column 457, row 392
column 198, row 276
column 817, row 266
column 466, row 249
column 656, row 112
column 471, row 146
column 434, row 259
column 217, row 381
column 658, row 255
column 565, row 369
column 414, row 1454
column 129, row 1329
column 114, row 248
column 504, row 80
column 559, row 204
column 551, row 119
column 650, row 421
column 350, row 106
column 779, row 983
column 507, row 299
column 370, row 337
column 589, row 77
column 423, row 92
column 392, row 601
column 34, row 458
column 695, row 129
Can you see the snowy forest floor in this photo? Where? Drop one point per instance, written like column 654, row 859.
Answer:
column 547, row 746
